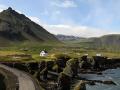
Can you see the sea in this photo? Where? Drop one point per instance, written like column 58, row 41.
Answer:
column 110, row 74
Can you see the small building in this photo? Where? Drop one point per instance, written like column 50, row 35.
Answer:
column 86, row 54
column 98, row 54
column 43, row 53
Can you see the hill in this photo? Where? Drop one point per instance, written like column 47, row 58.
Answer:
column 67, row 37
column 109, row 42
column 15, row 27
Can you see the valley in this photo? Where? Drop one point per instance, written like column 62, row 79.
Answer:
column 67, row 62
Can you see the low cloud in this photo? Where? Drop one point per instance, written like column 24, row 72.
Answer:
column 64, row 4
column 82, row 31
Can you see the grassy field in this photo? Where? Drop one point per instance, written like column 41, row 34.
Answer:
column 34, row 50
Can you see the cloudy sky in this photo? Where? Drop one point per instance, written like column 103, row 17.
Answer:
column 85, row 18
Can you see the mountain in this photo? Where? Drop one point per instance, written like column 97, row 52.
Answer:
column 107, row 40
column 111, row 41
column 67, row 37
column 15, row 27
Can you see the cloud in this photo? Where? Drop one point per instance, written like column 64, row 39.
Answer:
column 3, row 7
column 76, row 30
column 35, row 19
column 100, row 12
column 82, row 31
column 64, row 4
column 19, row 11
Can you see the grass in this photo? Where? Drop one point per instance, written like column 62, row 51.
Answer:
column 5, row 52
column 35, row 48
column 32, row 49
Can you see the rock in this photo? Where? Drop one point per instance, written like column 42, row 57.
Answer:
column 99, row 73
column 98, row 81
column 109, row 82
column 80, row 86
column 91, row 82
column 64, row 82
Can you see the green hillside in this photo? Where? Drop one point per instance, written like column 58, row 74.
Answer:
column 106, row 42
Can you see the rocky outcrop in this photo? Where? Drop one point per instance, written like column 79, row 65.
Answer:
column 64, row 82
column 80, row 86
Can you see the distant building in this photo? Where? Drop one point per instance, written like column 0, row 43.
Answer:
column 98, row 54
column 43, row 53
column 86, row 54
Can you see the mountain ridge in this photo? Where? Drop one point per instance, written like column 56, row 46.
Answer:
column 67, row 37
column 111, row 41
column 17, row 27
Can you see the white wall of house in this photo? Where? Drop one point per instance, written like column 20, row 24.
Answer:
column 43, row 53
column 98, row 54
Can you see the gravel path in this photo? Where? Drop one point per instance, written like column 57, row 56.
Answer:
column 25, row 81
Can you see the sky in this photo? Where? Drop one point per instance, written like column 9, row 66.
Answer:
column 84, row 18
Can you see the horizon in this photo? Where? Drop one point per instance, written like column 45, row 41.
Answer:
column 58, row 16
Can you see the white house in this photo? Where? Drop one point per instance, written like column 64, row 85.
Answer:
column 86, row 54
column 43, row 53
column 98, row 54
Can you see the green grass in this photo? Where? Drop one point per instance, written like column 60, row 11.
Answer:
column 52, row 48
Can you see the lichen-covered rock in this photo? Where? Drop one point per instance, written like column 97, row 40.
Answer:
column 80, row 86
column 61, row 59
column 91, row 82
column 109, row 82
column 71, row 68
column 85, row 63
column 57, row 69
column 64, row 82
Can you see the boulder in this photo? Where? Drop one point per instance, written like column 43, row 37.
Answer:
column 80, row 86
column 64, row 82
column 109, row 82
column 91, row 82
